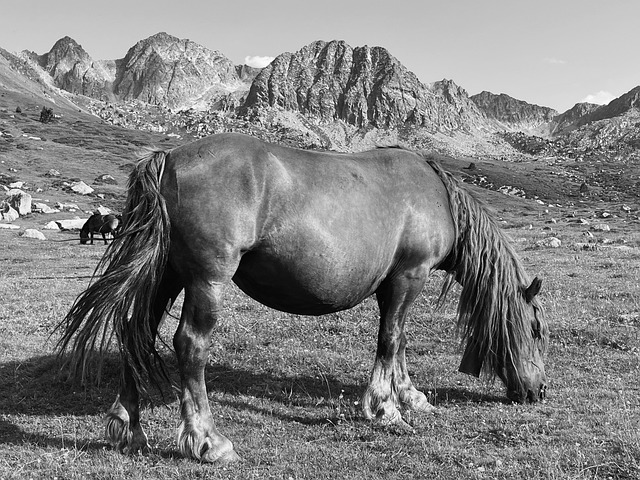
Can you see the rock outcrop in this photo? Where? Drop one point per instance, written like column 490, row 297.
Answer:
column 73, row 70
column 362, row 86
column 570, row 119
column 177, row 73
column 513, row 114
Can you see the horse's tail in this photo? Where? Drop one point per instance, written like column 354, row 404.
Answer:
column 120, row 300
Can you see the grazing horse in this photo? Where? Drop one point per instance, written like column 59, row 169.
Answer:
column 308, row 233
column 102, row 224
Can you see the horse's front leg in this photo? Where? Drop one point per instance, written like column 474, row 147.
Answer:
column 104, row 237
column 390, row 388
column 198, row 436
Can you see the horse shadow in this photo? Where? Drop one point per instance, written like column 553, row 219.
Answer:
column 40, row 386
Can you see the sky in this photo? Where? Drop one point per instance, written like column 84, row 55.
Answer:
column 552, row 53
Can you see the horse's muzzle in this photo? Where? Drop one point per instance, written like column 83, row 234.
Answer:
column 530, row 396
column 533, row 397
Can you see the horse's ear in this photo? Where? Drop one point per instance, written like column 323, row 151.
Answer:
column 533, row 289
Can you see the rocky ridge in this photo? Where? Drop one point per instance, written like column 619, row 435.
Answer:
column 73, row 70
column 511, row 114
column 178, row 74
column 362, row 86
column 326, row 95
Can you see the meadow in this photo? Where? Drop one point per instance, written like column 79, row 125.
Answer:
column 286, row 389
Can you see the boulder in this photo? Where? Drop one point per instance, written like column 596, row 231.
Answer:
column 601, row 227
column 69, row 224
column 549, row 242
column 105, row 178
column 9, row 226
column 20, row 201
column 81, row 188
column 102, row 210
column 33, row 233
column 43, row 208
column 67, row 206
column 8, row 213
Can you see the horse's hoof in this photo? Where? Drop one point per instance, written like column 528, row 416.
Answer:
column 416, row 401
column 222, row 453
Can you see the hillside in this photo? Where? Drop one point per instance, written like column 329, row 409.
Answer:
column 327, row 95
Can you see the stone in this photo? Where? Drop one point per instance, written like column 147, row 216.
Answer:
column 43, row 208
column 33, row 233
column 584, row 189
column 20, row 201
column 550, row 242
column 108, row 179
column 67, row 206
column 102, row 210
column 81, row 188
column 68, row 224
column 9, row 226
column 8, row 213
column 601, row 227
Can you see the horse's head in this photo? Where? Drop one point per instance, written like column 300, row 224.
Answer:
column 84, row 236
column 521, row 365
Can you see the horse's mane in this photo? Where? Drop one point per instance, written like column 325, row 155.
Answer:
column 491, row 310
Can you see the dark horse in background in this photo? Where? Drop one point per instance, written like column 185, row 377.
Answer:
column 102, row 224
column 308, row 233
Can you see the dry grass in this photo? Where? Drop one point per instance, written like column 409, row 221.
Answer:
column 286, row 388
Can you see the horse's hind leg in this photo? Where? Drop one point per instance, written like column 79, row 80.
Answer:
column 390, row 387
column 197, row 435
column 122, row 422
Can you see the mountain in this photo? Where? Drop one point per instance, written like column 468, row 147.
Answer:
column 615, row 108
column 511, row 114
column 165, row 70
column 362, row 86
column 32, row 86
column 569, row 120
column 325, row 95
column 73, row 70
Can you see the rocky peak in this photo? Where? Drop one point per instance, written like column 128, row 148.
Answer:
column 73, row 69
column 568, row 120
column 64, row 52
column 247, row 73
column 165, row 70
column 615, row 108
column 513, row 113
column 362, row 86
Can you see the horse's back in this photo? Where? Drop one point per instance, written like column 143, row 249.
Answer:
column 312, row 231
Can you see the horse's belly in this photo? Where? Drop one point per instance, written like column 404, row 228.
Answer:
column 307, row 286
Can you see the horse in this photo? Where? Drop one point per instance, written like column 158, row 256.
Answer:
column 304, row 232
column 102, row 224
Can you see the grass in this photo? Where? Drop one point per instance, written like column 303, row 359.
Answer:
column 286, row 389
